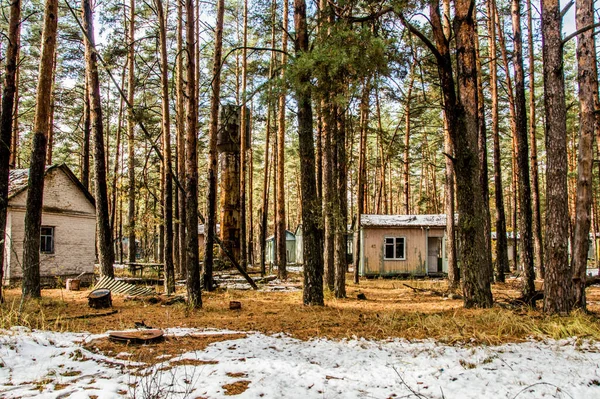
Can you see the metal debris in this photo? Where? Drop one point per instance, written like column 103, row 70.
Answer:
column 121, row 287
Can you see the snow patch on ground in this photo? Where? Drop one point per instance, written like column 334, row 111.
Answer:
column 54, row 365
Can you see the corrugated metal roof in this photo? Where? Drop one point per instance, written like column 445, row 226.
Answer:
column 122, row 287
column 403, row 220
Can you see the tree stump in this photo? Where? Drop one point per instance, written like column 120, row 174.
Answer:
column 100, row 299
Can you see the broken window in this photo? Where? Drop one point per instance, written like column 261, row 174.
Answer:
column 47, row 240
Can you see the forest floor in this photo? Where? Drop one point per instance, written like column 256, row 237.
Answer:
column 397, row 342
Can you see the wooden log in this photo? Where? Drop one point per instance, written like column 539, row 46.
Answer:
column 100, row 299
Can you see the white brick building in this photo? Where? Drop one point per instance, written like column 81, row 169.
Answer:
column 68, row 226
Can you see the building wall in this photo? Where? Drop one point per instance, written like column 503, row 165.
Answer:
column 73, row 217
column 372, row 255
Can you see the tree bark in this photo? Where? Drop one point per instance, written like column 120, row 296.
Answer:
column 50, row 147
column 502, row 265
column 407, row 132
column 483, row 157
column 328, row 193
column 243, row 150
column 360, row 186
column 191, row 169
column 85, row 167
column 181, row 133
column 535, row 184
column 106, row 255
column 341, row 229
column 587, row 78
column 35, row 185
column 558, row 285
column 14, row 145
column 207, row 272
column 6, row 119
column 131, row 254
column 166, row 152
column 280, row 240
column 311, row 211
column 475, row 271
column 525, row 215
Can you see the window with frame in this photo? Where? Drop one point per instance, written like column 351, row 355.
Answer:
column 47, row 240
column 394, row 248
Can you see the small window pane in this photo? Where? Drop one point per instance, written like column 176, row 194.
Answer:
column 400, row 248
column 389, row 249
column 47, row 240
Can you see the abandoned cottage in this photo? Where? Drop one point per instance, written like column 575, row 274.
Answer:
column 68, row 231
column 397, row 245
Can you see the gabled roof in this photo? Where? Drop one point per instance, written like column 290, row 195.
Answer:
column 18, row 178
column 403, row 220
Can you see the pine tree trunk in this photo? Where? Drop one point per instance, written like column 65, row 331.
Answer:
column 328, row 193
column 535, row 184
column 106, row 254
column 475, row 271
column 502, row 265
column 113, row 210
column 587, row 77
column 341, row 241
column 14, row 145
column 6, row 119
column 265, row 196
column 311, row 211
column 525, row 215
column 35, row 186
column 131, row 255
column 210, row 227
column 50, row 147
column 191, row 170
column 85, row 167
column 243, row 150
column 360, row 186
column 166, row 150
column 558, row 285
column 181, row 133
column 407, row 147
column 483, row 157
column 280, row 241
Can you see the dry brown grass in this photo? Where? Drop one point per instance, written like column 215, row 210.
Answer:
column 391, row 310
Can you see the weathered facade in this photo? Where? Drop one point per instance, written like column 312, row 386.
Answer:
column 290, row 248
column 396, row 245
column 68, row 226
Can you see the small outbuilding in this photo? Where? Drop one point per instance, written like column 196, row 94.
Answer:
column 403, row 245
column 67, row 247
column 300, row 245
column 290, row 248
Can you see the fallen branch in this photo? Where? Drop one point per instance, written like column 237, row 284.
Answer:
column 84, row 316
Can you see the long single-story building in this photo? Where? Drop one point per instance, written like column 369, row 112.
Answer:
column 68, row 231
column 396, row 245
